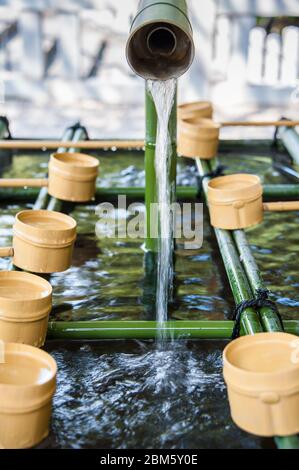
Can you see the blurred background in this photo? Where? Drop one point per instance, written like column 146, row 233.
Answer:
column 64, row 61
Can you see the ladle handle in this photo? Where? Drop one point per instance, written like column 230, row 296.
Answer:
column 6, row 252
column 23, row 182
column 281, row 123
column 281, row 206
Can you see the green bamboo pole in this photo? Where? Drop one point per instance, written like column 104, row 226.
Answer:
column 42, row 200
column 133, row 193
column 121, row 329
column 290, row 139
column 150, row 173
column 271, row 192
column 237, row 278
column 288, row 442
column 281, row 191
column 269, row 319
column 137, row 329
column 3, row 130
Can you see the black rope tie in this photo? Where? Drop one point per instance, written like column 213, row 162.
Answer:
column 219, row 171
column 6, row 123
column 261, row 300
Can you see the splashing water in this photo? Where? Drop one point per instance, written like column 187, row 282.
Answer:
column 163, row 93
column 135, row 396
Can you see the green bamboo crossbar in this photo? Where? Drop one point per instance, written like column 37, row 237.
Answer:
column 122, row 329
column 102, row 194
column 281, row 191
column 271, row 192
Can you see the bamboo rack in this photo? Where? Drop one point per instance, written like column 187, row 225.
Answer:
column 26, row 192
column 249, row 279
column 68, row 144
column 21, row 194
column 121, row 329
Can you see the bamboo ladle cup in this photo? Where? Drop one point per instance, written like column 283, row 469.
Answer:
column 236, row 202
column 27, row 386
column 42, row 241
column 26, row 302
column 72, row 177
column 263, row 383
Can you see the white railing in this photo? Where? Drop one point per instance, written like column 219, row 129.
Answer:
column 235, row 60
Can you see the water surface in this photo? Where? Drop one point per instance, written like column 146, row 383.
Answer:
column 128, row 394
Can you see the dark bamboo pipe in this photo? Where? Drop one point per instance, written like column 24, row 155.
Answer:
column 160, row 45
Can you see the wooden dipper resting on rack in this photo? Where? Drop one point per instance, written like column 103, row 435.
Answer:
column 42, row 241
column 236, row 202
column 72, row 177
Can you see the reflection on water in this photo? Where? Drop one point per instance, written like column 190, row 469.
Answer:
column 109, row 394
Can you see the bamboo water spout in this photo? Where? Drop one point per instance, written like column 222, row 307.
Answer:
column 160, row 45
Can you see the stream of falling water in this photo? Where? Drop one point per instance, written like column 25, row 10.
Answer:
column 163, row 93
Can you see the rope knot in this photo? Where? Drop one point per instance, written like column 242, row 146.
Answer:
column 262, row 294
column 260, row 301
